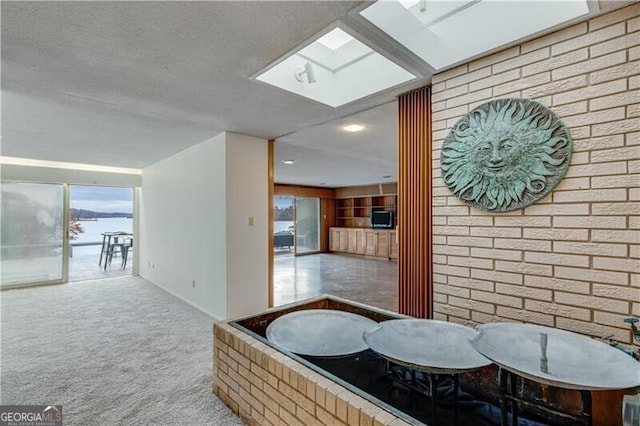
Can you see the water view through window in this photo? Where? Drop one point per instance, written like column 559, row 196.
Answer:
column 32, row 233
column 297, row 224
column 95, row 211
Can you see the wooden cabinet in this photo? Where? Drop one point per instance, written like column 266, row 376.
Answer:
column 338, row 240
column 382, row 248
column 347, row 240
column 355, row 239
column 370, row 242
column 377, row 242
column 393, row 245
column 334, row 239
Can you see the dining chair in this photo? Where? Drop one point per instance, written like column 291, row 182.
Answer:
column 115, row 247
column 127, row 247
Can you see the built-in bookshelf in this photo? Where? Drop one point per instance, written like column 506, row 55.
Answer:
column 355, row 212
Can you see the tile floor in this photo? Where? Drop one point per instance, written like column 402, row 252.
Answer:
column 362, row 279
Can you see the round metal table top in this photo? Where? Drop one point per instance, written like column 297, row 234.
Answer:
column 571, row 360
column 320, row 332
column 426, row 345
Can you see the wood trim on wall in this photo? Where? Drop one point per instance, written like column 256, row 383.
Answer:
column 304, row 191
column 389, row 188
column 327, row 220
column 271, row 191
column 415, row 257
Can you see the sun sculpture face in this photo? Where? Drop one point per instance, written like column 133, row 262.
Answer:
column 506, row 154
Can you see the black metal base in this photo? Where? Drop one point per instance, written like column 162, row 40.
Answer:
column 421, row 398
column 510, row 402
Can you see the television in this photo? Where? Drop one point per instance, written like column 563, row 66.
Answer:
column 382, row 219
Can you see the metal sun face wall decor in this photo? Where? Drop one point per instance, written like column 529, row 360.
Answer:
column 506, row 154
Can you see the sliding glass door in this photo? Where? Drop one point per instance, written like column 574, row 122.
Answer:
column 32, row 233
column 296, row 225
column 307, row 213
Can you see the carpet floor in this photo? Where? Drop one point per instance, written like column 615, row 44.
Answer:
column 116, row 351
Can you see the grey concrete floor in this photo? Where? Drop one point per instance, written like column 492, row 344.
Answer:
column 367, row 280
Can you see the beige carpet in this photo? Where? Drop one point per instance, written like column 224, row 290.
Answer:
column 113, row 352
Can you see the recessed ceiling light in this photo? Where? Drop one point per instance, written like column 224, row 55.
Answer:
column 353, row 128
column 288, row 161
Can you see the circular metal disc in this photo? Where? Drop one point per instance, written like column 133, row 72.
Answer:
column 426, row 345
column 573, row 361
column 320, row 332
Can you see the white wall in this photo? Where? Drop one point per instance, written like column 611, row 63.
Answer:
column 194, row 225
column 247, row 245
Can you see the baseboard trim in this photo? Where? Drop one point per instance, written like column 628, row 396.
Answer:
column 185, row 300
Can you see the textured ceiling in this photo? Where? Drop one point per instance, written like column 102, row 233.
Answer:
column 326, row 155
column 130, row 83
column 127, row 84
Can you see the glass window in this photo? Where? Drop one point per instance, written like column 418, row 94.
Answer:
column 307, row 225
column 31, row 233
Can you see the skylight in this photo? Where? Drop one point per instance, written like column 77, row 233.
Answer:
column 446, row 32
column 431, row 11
column 335, row 39
column 335, row 68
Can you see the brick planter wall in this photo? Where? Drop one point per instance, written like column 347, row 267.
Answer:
column 573, row 259
column 266, row 387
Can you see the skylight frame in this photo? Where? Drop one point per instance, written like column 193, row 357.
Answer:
column 337, row 90
column 441, row 50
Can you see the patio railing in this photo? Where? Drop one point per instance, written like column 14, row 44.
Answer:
column 91, row 243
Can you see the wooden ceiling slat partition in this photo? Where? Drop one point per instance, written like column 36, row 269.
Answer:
column 415, row 285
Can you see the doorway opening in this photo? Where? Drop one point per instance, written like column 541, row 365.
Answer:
column 101, row 232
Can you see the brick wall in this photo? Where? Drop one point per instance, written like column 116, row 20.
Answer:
column 265, row 387
column 572, row 260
